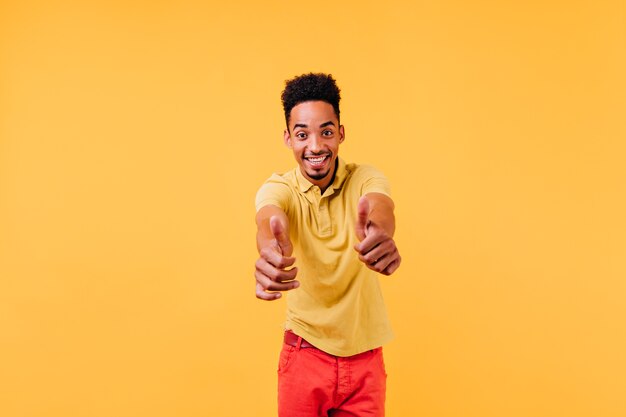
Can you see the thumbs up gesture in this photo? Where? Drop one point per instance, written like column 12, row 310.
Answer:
column 271, row 269
column 374, row 229
column 362, row 213
column 281, row 243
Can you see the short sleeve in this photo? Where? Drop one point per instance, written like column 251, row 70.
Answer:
column 274, row 191
column 372, row 180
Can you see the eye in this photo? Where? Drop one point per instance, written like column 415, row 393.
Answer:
column 327, row 133
column 301, row 135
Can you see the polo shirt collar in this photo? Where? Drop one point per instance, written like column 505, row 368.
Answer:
column 340, row 176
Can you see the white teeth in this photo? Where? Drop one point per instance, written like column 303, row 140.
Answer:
column 316, row 160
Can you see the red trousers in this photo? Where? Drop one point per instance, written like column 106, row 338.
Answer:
column 312, row 383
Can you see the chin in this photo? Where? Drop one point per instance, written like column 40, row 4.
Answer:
column 318, row 176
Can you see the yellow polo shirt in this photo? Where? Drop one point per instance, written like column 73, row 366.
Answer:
column 339, row 306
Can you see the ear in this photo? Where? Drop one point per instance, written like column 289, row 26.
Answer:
column 287, row 138
column 342, row 133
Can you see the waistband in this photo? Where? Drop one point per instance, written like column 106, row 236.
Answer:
column 293, row 339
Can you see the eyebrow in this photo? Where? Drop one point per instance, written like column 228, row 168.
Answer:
column 328, row 123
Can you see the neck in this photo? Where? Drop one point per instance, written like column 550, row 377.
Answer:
column 326, row 182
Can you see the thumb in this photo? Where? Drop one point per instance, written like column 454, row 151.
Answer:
column 363, row 210
column 280, row 234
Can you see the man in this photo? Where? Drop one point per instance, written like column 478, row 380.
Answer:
column 338, row 220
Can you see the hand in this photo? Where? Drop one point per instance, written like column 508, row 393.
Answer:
column 271, row 273
column 377, row 250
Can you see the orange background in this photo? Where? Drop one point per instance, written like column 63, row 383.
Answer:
column 133, row 137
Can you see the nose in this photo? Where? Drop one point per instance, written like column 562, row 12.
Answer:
column 315, row 144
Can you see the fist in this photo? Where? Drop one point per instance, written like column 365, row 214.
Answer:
column 376, row 249
column 272, row 271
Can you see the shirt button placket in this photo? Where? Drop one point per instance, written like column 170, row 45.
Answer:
column 324, row 217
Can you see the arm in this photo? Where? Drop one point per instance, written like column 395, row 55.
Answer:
column 275, row 251
column 374, row 228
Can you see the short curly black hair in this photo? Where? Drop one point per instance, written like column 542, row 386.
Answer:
column 309, row 87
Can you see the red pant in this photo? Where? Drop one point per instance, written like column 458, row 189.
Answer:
column 312, row 383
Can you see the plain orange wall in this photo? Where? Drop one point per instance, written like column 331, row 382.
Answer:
column 134, row 135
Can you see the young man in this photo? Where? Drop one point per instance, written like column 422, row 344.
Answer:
column 338, row 220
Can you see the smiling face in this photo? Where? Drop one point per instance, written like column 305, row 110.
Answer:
column 314, row 135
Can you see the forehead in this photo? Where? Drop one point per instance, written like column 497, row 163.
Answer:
column 312, row 113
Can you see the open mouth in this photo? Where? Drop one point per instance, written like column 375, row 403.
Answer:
column 317, row 161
